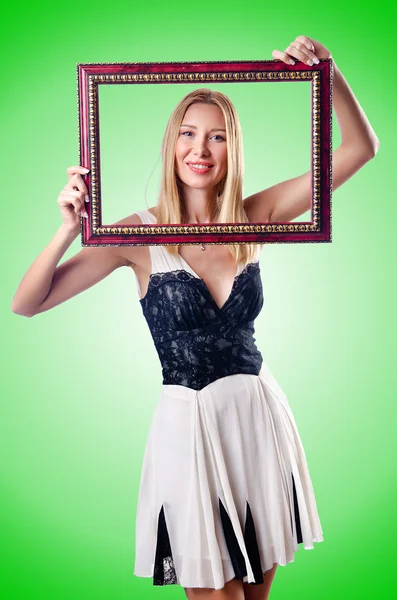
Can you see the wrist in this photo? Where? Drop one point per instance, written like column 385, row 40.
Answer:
column 69, row 233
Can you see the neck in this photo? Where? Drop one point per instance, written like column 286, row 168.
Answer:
column 198, row 204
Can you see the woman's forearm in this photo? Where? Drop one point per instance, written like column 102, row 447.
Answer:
column 36, row 283
column 354, row 126
column 356, row 131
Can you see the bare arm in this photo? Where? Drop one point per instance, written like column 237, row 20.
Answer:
column 36, row 282
column 45, row 284
column 289, row 199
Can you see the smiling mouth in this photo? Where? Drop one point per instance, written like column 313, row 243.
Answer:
column 199, row 167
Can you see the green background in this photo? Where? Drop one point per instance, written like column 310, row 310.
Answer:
column 79, row 384
column 132, row 123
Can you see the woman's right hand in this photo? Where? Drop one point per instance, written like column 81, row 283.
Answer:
column 72, row 198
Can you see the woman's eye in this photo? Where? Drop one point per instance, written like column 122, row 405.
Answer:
column 190, row 133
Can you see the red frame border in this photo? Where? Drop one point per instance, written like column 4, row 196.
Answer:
column 192, row 72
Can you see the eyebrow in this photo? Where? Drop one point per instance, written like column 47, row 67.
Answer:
column 194, row 127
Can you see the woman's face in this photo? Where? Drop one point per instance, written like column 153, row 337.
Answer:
column 201, row 148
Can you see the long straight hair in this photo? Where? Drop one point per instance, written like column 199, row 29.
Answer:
column 227, row 206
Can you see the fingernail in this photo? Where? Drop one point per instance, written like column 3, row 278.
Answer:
column 85, row 214
column 86, row 170
column 291, row 62
column 316, row 60
column 310, row 63
column 87, row 199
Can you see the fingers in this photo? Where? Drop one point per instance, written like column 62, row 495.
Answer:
column 76, row 180
column 305, row 40
column 73, row 170
column 74, row 198
column 283, row 56
column 301, row 49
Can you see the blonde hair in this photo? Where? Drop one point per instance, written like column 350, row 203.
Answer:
column 228, row 208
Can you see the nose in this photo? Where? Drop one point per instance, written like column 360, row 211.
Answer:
column 200, row 146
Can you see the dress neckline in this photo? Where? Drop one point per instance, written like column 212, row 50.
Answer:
column 193, row 272
column 190, row 270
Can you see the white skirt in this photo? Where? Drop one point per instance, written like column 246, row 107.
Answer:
column 225, row 489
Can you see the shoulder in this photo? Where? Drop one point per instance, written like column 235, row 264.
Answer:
column 135, row 218
column 134, row 256
column 153, row 211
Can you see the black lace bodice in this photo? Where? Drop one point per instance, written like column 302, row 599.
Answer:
column 198, row 342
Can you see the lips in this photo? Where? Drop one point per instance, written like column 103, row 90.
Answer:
column 200, row 167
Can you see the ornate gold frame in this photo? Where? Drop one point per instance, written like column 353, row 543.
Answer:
column 91, row 75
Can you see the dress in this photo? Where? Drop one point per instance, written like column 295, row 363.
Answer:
column 225, row 489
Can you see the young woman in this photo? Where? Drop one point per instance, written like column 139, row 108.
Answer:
column 225, row 493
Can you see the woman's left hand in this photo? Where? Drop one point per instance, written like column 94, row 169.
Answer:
column 304, row 49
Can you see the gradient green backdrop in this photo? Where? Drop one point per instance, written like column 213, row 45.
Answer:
column 79, row 383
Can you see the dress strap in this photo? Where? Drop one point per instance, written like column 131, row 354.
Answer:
column 146, row 216
column 162, row 261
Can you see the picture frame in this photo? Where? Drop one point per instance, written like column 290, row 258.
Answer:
column 92, row 76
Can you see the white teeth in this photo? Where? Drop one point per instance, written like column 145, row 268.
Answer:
column 200, row 166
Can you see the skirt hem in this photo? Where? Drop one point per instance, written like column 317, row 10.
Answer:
column 149, row 575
